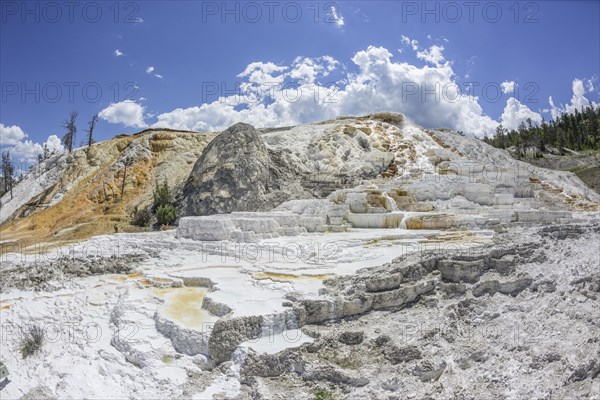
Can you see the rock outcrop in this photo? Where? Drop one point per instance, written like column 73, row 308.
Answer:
column 377, row 164
column 233, row 174
column 74, row 196
column 45, row 273
column 435, row 344
column 290, row 219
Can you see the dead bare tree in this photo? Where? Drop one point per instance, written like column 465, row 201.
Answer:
column 90, row 131
column 69, row 138
column 127, row 163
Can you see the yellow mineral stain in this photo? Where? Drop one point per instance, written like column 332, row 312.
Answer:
column 382, row 239
column 135, row 275
column 160, row 292
column 184, row 306
column 453, row 237
column 414, row 223
column 6, row 307
column 167, row 359
column 162, row 280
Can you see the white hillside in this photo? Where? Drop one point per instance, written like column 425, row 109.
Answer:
column 364, row 255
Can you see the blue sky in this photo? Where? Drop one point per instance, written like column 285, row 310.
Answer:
column 153, row 63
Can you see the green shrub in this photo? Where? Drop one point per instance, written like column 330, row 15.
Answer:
column 32, row 342
column 322, row 394
column 141, row 217
column 166, row 214
column 162, row 195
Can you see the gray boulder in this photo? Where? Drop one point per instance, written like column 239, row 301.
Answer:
column 237, row 172
column 231, row 175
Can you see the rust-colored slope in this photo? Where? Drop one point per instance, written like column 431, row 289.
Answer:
column 93, row 204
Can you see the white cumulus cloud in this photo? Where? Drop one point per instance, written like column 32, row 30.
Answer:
column 433, row 55
column 54, row 144
column 408, row 42
column 128, row 113
column 149, row 70
column 336, row 16
column 516, row 112
column 508, row 86
column 11, row 135
column 262, row 73
column 307, row 70
column 119, row 53
column 428, row 95
column 590, row 85
column 25, row 152
column 578, row 101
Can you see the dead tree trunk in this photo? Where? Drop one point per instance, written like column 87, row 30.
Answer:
column 123, row 183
